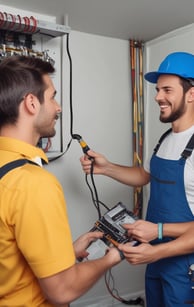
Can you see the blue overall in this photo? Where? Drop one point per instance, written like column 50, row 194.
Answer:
column 168, row 283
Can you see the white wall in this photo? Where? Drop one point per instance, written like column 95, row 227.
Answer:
column 102, row 116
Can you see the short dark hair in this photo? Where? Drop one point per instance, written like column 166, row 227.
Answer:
column 186, row 84
column 19, row 76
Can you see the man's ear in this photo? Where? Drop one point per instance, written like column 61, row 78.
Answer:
column 31, row 103
column 191, row 94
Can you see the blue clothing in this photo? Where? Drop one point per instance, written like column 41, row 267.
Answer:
column 168, row 283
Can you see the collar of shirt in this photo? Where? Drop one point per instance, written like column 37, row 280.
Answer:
column 22, row 149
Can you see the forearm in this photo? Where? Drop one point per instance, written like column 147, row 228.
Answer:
column 85, row 276
column 133, row 176
column 181, row 246
column 73, row 282
column 177, row 229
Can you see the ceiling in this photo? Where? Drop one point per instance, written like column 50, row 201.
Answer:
column 125, row 19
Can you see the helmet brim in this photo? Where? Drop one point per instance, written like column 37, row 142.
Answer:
column 152, row 76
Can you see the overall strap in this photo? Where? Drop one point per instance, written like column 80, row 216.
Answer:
column 13, row 164
column 188, row 149
column 161, row 140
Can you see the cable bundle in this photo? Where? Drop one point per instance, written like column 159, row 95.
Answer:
column 17, row 23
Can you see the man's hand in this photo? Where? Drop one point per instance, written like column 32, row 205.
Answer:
column 81, row 244
column 141, row 254
column 142, row 231
column 100, row 162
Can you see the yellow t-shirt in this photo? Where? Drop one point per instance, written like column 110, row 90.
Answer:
column 35, row 238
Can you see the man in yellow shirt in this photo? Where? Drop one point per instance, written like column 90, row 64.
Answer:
column 37, row 257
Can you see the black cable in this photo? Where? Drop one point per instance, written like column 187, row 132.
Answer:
column 94, row 194
column 85, row 148
column 70, row 99
column 108, row 279
column 51, row 159
column 70, row 85
column 95, row 190
column 114, row 292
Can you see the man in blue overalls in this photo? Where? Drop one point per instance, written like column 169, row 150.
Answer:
column 170, row 213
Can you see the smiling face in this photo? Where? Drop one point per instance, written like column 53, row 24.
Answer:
column 49, row 111
column 170, row 98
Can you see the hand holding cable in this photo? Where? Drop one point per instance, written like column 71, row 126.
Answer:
column 100, row 162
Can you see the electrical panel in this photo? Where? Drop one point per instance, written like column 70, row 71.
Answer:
column 29, row 36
